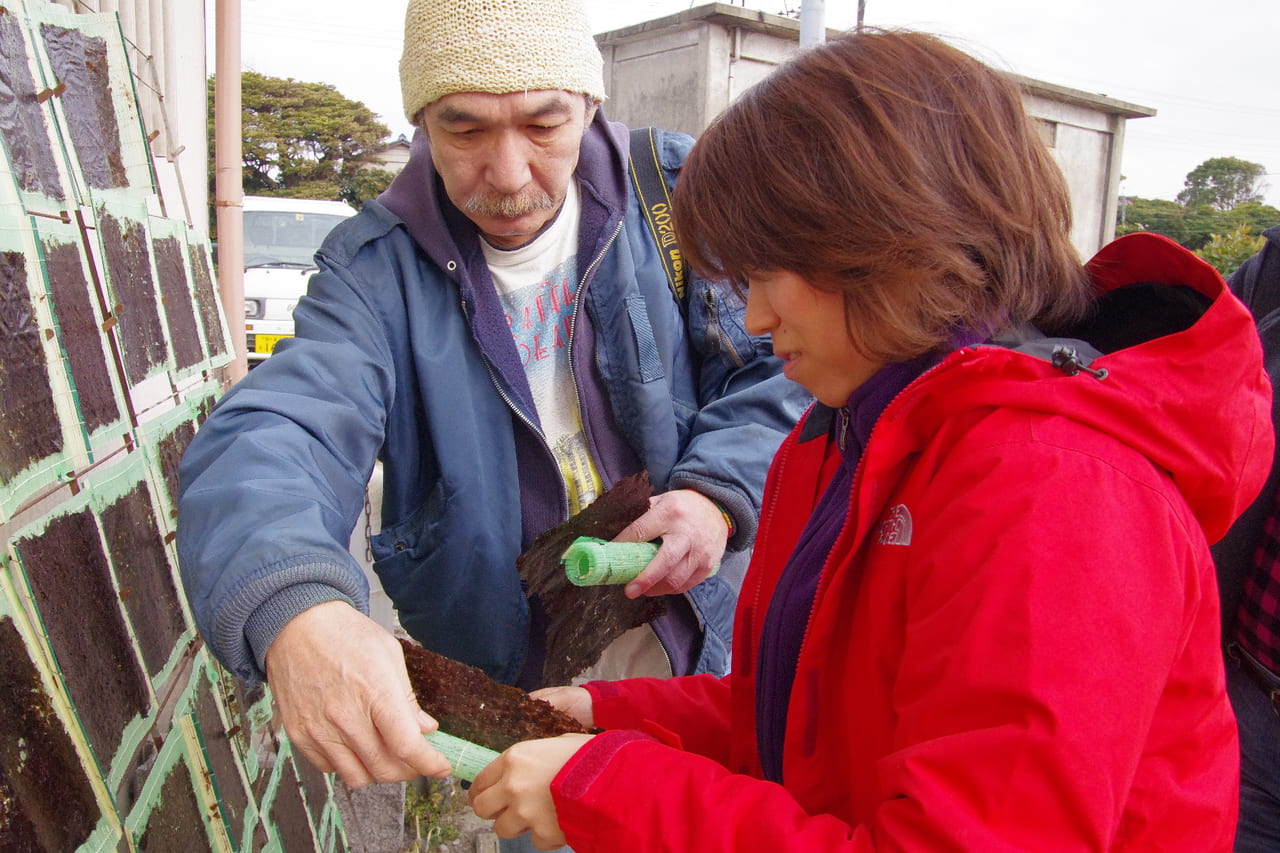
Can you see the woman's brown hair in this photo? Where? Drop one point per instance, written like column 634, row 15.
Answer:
column 899, row 171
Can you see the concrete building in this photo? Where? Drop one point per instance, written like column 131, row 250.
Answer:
column 678, row 72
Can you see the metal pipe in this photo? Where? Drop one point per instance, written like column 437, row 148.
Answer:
column 228, row 182
column 813, row 22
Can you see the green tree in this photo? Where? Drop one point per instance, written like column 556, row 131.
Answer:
column 1204, row 221
column 1222, row 195
column 1153, row 214
column 1228, row 251
column 306, row 140
column 1222, row 183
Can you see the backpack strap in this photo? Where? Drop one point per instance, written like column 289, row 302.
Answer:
column 655, row 201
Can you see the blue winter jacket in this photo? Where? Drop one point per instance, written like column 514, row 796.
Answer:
column 403, row 354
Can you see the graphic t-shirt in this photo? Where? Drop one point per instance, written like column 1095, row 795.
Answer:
column 538, row 286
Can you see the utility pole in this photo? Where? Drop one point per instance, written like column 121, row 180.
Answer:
column 813, row 23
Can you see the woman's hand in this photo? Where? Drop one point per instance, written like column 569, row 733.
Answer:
column 514, row 791
column 574, row 701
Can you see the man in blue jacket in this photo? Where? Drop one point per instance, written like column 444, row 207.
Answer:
column 498, row 328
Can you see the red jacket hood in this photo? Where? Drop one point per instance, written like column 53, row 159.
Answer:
column 1177, row 399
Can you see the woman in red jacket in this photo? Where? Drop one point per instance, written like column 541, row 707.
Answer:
column 981, row 612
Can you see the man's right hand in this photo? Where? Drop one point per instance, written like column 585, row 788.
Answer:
column 344, row 696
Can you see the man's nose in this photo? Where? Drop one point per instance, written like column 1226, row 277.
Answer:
column 508, row 167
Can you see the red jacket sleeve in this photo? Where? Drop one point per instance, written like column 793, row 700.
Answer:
column 690, row 711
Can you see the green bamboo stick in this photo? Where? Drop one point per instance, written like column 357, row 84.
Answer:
column 466, row 758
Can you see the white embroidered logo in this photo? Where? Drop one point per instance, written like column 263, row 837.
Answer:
column 895, row 528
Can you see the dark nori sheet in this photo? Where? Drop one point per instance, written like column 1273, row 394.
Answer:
column 81, row 63
column 78, row 607
column 22, row 118
column 232, row 796
column 170, row 448
column 29, row 428
column 80, row 334
column 175, row 824
column 289, row 814
column 46, row 802
column 179, row 309
column 206, row 299
column 129, row 268
column 584, row 620
column 471, row 705
column 143, row 573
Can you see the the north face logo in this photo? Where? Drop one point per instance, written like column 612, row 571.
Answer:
column 895, row 529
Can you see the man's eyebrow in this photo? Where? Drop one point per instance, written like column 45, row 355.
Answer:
column 452, row 114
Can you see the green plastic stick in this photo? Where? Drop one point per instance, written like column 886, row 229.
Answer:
column 595, row 562
column 467, row 758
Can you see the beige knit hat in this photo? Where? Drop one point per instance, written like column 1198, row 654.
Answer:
column 497, row 46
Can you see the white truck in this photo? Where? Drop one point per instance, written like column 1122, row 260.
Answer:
column 281, row 236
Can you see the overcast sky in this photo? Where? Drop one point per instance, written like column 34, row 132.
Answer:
column 1209, row 69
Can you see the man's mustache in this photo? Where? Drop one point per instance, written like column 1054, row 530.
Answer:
column 509, row 205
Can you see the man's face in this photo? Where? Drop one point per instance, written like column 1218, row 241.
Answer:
column 506, row 160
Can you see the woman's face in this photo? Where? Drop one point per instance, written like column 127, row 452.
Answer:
column 809, row 334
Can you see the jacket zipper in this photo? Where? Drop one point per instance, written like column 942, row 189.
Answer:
column 824, row 577
column 519, row 413
column 577, row 394
column 573, row 331
column 709, row 299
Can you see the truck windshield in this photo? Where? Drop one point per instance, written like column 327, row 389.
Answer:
column 284, row 238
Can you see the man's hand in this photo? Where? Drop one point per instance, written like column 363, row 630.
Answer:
column 693, row 534
column 514, row 791
column 345, row 698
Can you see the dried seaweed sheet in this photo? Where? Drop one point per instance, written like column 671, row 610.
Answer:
column 124, row 241
column 142, row 569
column 220, row 752
column 81, row 63
column 22, row 118
column 67, row 569
column 584, row 620
column 80, row 334
column 215, row 332
column 29, row 426
column 46, row 801
column 471, row 705
column 175, row 292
